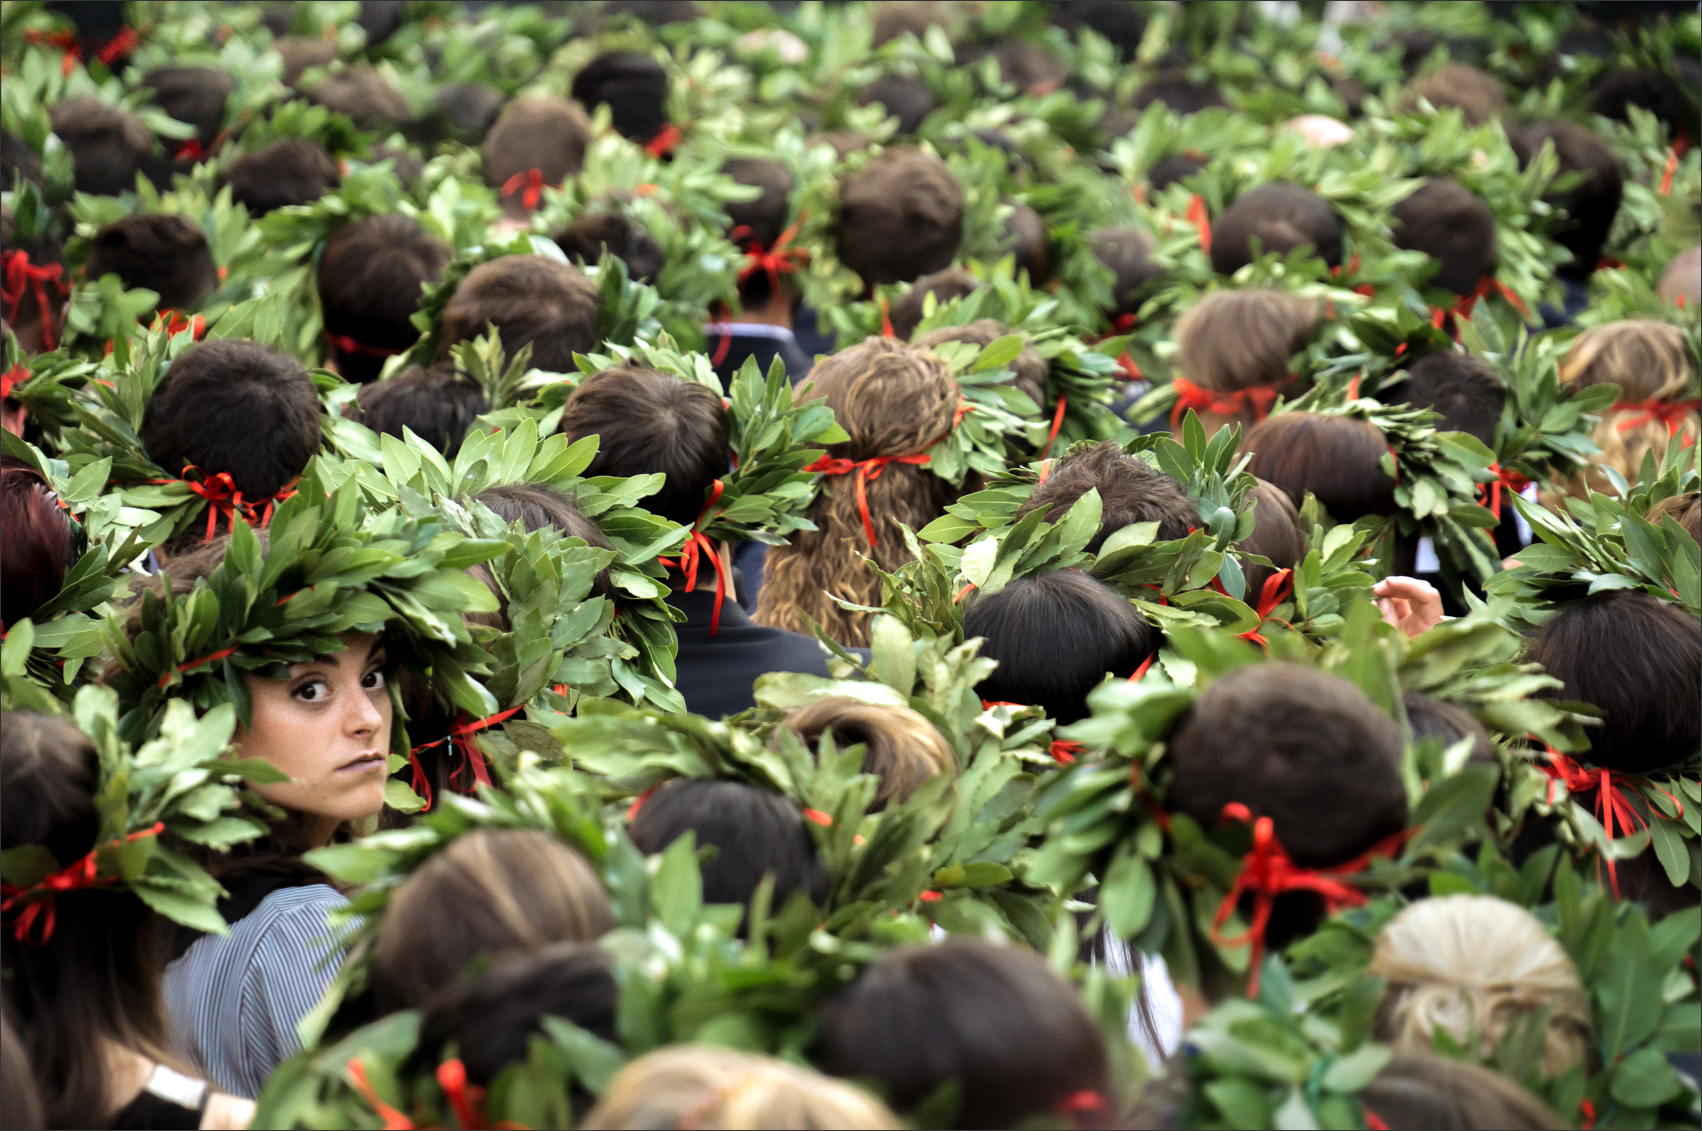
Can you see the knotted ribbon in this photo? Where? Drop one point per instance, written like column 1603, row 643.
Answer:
column 1671, row 168
column 1491, row 491
column 460, row 738
column 1064, row 751
column 530, row 185
column 781, row 259
column 175, row 322
column 866, row 470
column 18, row 275
column 1486, row 286
column 1259, row 399
column 224, row 498
column 77, row 876
column 691, row 555
column 190, row 150
column 1670, row 413
column 663, row 143
column 1611, row 804
column 1201, row 219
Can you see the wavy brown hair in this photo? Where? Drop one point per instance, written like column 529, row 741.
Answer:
column 893, row 399
column 1651, row 363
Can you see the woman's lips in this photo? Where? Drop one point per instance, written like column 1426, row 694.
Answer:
column 365, row 763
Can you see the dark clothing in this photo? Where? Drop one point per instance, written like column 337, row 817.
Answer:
column 1576, row 298
column 744, row 342
column 715, row 673
column 749, row 561
column 812, row 337
column 148, row 1112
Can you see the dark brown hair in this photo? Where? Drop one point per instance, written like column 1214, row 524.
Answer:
column 370, row 276
column 300, row 52
column 1452, row 225
column 1181, row 94
column 1277, row 535
column 1028, row 368
column 633, row 86
column 539, row 132
column 108, row 147
column 1173, row 169
column 1477, row 94
column 904, row 748
column 653, row 422
column 37, row 542
column 1639, row 660
column 1283, row 217
column 1025, row 239
column 900, row 217
column 1428, row 717
column 1125, row 251
column 905, row 313
column 1686, row 510
column 764, row 217
column 361, row 95
column 1423, row 1092
column 906, row 99
column 438, row 404
column 1013, row 1035
column 1465, row 389
column 1336, row 458
column 193, row 95
column 537, row 505
column 1130, row 490
column 532, row 300
column 490, row 892
column 1590, row 205
column 156, row 251
column 629, row 241
column 292, row 170
column 20, row 1102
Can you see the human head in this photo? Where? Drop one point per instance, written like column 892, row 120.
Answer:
column 97, row 979
column 1130, row 490
column 904, row 748
column 653, row 422
column 900, row 217
column 539, row 132
column 1681, row 279
column 1124, row 250
column 1686, row 510
column 906, row 311
column 1028, row 368
column 608, row 229
column 1428, row 717
column 1452, row 225
column 1014, row 1036
column 108, row 146
column 193, row 95
column 894, row 18
column 438, row 404
column 37, row 542
column 20, row 1100
column 1243, row 339
column 1465, row 389
column 1056, row 636
column 370, row 275
column 1171, row 170
column 537, row 505
column 758, row 223
column 1590, row 205
column 711, row 1087
column 1282, row 217
column 1337, row 458
column 156, row 251
column 300, row 53
column 1026, row 240
column 1277, row 535
column 469, row 108
column 1476, row 94
column 1181, row 94
column 906, row 99
column 489, row 893
column 363, row 96
column 533, row 300
column 754, row 832
column 1639, row 660
column 1420, row 1091
column 1613, row 94
column 633, row 86
column 291, row 170
column 1650, row 363
column 1470, row 966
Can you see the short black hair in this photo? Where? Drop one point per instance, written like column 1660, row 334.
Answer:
column 906, row 99
column 292, row 170
column 625, row 238
column 108, row 146
column 633, row 85
column 193, row 95
column 370, row 277
column 158, row 251
column 1284, row 217
column 436, row 403
column 1124, row 250
column 1130, row 490
column 1454, row 226
column 1465, row 389
column 1176, row 167
column 1593, row 203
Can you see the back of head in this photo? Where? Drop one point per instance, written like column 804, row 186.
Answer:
column 653, row 422
column 1652, row 365
column 1026, row 241
column 1277, row 535
column 20, row 1101
column 909, row 100
column 1282, row 217
column 108, row 147
column 1686, row 510
column 1028, row 368
column 765, row 216
column 539, row 132
column 1056, row 636
column 1172, row 170
column 193, row 95
column 301, row 52
column 532, row 300
column 892, row 399
column 537, row 505
column 491, row 1017
column 1437, row 718
column 470, row 108
column 605, row 229
column 437, row 404
column 894, row 18
column 490, row 892
column 1681, row 279
column 37, row 542
column 292, row 170
column 1614, row 93
column 754, row 833
column 1123, row 24
column 1477, row 94
column 1181, row 94
column 633, row 86
column 370, row 276
column 1130, row 490
column 1451, row 224
column 1303, row 747
column 1465, row 389
column 1243, row 339
column 363, row 96
column 1590, row 205
column 904, row 748
column 1470, row 966
column 1336, row 458
column 234, row 406
column 715, row 1088
column 906, row 312
column 1637, row 658
column 1124, row 250
column 900, row 217
column 156, row 251
column 1013, row 1035
column 1419, row 1091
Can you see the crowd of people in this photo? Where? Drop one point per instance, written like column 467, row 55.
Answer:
column 872, row 565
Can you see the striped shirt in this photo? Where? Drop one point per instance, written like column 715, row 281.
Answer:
column 234, row 1000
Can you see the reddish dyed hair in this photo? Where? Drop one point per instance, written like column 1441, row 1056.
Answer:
column 36, row 538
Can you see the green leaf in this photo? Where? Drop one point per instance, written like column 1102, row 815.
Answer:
column 1454, row 804
column 1349, row 1074
column 1645, row 1079
column 180, row 908
column 1242, row 1103
column 998, row 353
column 1629, row 990
column 1127, row 895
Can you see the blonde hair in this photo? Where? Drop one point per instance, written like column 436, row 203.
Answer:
column 1650, row 362
column 904, row 748
column 1470, row 966
column 708, row 1087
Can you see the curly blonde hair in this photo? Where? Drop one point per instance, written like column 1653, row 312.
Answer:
column 894, row 399
column 1651, row 363
column 1472, row 965
column 904, row 748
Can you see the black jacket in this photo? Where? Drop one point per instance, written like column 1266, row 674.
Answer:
column 761, row 347
column 715, row 674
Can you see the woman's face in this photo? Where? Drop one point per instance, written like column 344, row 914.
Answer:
column 328, row 727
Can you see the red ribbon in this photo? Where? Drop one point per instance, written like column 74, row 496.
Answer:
column 720, row 350
column 77, row 876
column 638, row 802
column 17, row 274
column 393, row 1120
column 1274, row 592
column 1486, row 286
column 1201, row 219
column 1260, row 398
column 190, row 151
column 211, row 657
column 1671, row 168
column 222, row 495
column 117, row 47
column 12, row 378
column 461, row 738
column 1670, row 413
column 468, row 1100
column 1045, row 471
column 66, row 41
column 1611, row 805
column 781, row 259
column 1374, row 1122
column 342, row 343
column 1146, row 664
column 866, row 470
column 691, row 555
column 886, row 320
column 664, row 141
column 819, row 818
column 1064, row 751
column 175, row 322
column 1057, row 423
column 1504, row 477
column 530, row 185
column 1267, row 872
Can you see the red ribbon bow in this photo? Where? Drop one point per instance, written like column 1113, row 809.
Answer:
column 1267, row 872
column 866, row 470
column 1486, row 286
column 468, row 1100
column 663, row 143
column 393, row 1119
column 342, row 343
column 175, row 322
column 12, row 378
column 222, row 497
column 886, row 320
column 117, row 47
column 1201, row 219
column 1064, row 751
column 530, row 185
column 1611, row 805
column 1672, row 167
column 781, row 259
column 461, row 740
column 1491, row 491
column 1670, row 413
column 1191, row 396
column 190, row 151
column 1274, row 592
column 692, row 553
column 19, row 274
column 77, row 876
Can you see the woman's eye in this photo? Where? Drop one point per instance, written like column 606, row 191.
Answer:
column 313, row 691
column 372, row 680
